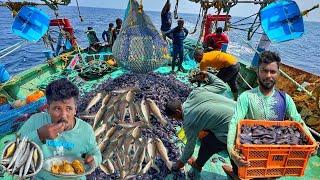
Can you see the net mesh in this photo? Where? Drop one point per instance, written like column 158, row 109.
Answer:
column 139, row 47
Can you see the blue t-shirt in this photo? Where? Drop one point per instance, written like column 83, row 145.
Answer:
column 166, row 21
column 75, row 142
column 177, row 36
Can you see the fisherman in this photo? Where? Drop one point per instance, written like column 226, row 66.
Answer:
column 94, row 43
column 209, row 45
column 218, row 37
column 63, row 42
column 118, row 27
column 227, row 65
column 109, row 35
column 58, row 132
column 262, row 102
column 205, row 114
column 166, row 19
column 178, row 34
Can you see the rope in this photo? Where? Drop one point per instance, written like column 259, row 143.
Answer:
column 242, row 29
column 243, row 19
column 11, row 51
column 176, row 10
column 195, row 28
column 3, row 50
column 79, row 11
column 202, row 24
column 244, row 80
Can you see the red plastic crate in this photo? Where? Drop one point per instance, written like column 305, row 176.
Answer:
column 269, row 160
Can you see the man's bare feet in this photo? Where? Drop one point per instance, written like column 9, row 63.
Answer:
column 228, row 170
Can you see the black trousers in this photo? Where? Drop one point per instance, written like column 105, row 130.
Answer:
column 229, row 75
column 234, row 167
column 209, row 146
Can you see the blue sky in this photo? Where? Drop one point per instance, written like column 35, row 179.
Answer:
column 186, row 6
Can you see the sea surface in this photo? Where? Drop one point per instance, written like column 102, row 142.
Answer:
column 303, row 53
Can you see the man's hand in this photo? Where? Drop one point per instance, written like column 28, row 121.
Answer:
column 202, row 75
column 89, row 159
column 238, row 159
column 50, row 131
column 177, row 165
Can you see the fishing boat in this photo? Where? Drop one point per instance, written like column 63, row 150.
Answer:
column 76, row 64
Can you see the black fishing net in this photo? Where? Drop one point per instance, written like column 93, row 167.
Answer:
column 139, row 47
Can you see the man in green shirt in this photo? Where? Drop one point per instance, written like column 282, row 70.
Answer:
column 206, row 114
column 59, row 132
column 262, row 102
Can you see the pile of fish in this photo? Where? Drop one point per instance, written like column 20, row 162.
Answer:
column 272, row 135
column 21, row 158
column 135, row 137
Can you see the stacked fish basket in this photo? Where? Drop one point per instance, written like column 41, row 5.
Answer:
column 273, row 148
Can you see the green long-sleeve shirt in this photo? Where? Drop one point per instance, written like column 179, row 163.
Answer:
column 253, row 104
column 206, row 108
column 75, row 142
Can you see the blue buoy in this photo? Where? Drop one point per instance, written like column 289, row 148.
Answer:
column 282, row 21
column 30, row 23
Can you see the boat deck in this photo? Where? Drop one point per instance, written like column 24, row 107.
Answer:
column 210, row 170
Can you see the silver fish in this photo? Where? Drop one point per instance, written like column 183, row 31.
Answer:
column 20, row 171
column 156, row 111
column 130, row 96
column 137, row 168
column 163, row 152
column 151, row 148
column 106, row 139
column 94, row 101
column 110, row 166
column 87, row 116
column 22, row 158
column 139, row 111
column 130, row 177
column 106, row 100
column 136, row 133
column 100, row 130
column 123, row 173
column 104, row 168
column 33, row 167
column 146, row 167
column 28, row 163
column 122, row 110
column 132, row 112
column 19, row 151
column 130, row 125
column 99, row 116
column 108, row 116
column 145, row 110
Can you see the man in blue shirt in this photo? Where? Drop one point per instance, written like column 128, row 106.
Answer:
column 58, row 132
column 178, row 34
column 109, row 35
column 166, row 19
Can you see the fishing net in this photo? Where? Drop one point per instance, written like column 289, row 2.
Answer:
column 139, row 47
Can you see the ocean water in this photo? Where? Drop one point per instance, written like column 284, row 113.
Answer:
column 303, row 53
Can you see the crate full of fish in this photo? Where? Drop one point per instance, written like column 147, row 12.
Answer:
column 273, row 148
